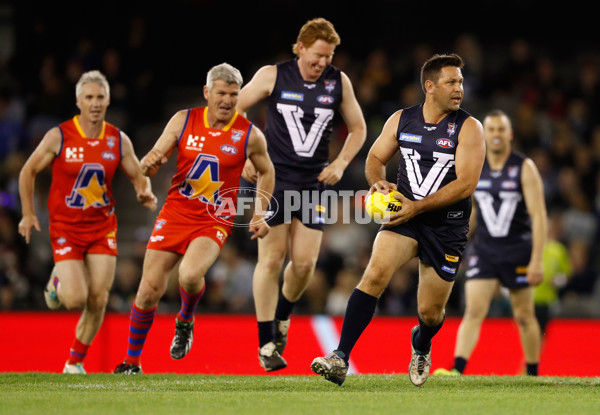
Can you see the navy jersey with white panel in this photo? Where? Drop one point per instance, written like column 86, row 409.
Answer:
column 427, row 162
column 300, row 120
column 503, row 223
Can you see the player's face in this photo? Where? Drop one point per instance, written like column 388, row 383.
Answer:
column 93, row 102
column 449, row 89
column 222, row 99
column 497, row 132
column 313, row 60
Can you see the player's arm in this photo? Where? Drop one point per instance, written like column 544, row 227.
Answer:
column 41, row 158
column 357, row 133
column 257, row 153
column 165, row 145
column 472, row 218
column 380, row 153
column 259, row 88
column 130, row 165
column 470, row 155
column 533, row 193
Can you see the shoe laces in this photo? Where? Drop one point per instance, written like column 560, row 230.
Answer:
column 421, row 363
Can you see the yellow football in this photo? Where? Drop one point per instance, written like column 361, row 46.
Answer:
column 380, row 206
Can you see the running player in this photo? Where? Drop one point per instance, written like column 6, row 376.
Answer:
column 303, row 96
column 85, row 153
column 508, row 244
column 441, row 155
column 212, row 145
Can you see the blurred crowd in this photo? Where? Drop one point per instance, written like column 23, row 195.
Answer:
column 553, row 101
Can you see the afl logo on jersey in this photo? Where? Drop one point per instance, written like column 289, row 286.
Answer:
column 107, row 155
column 325, row 99
column 444, row 143
column 228, row 149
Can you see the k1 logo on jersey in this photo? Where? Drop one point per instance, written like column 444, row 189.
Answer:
column 202, row 181
column 89, row 189
column 424, row 186
column 305, row 143
column 74, row 154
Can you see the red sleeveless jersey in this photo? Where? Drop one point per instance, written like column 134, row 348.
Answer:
column 82, row 174
column 209, row 166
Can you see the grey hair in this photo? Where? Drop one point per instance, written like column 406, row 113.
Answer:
column 224, row 72
column 95, row 77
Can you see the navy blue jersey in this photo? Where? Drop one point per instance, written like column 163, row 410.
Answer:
column 300, row 120
column 503, row 222
column 427, row 162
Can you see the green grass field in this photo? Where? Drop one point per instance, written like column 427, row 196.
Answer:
column 41, row 393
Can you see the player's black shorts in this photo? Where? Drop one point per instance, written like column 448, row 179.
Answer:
column 510, row 270
column 302, row 201
column 441, row 247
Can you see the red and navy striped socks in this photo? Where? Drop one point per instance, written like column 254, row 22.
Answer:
column 189, row 302
column 77, row 352
column 140, row 322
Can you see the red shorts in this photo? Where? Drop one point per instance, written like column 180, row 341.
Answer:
column 174, row 235
column 71, row 242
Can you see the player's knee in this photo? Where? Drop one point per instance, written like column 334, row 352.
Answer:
column 97, row 302
column 303, row 267
column 191, row 277
column 74, row 301
column 475, row 312
column 273, row 261
column 524, row 318
column 431, row 315
column 148, row 296
column 375, row 279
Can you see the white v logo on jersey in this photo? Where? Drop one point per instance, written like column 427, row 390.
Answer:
column 498, row 224
column 304, row 143
column 424, row 187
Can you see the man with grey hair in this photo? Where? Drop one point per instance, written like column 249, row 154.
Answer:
column 212, row 143
column 85, row 153
column 224, row 72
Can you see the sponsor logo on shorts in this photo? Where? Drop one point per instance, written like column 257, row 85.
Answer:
column 157, row 238
column 452, row 258
column 472, row 272
column 448, row 269
column 455, row 215
column 521, row 270
column 112, row 243
column 63, row 251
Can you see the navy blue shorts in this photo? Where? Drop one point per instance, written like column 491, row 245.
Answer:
column 511, row 270
column 305, row 202
column 441, row 247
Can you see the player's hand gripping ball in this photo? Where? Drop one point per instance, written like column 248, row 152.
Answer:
column 380, row 206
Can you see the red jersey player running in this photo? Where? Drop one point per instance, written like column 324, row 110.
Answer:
column 85, row 153
column 213, row 143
